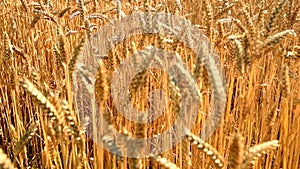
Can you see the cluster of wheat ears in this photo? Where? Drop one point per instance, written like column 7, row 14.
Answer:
column 256, row 42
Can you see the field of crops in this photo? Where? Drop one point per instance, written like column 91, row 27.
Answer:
column 241, row 78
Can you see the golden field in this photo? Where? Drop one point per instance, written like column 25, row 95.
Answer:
column 258, row 48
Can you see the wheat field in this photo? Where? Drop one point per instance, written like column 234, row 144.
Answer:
column 258, row 48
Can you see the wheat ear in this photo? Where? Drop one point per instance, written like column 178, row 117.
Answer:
column 165, row 162
column 257, row 151
column 62, row 46
column 236, row 152
column 26, row 137
column 8, row 51
column 14, row 134
column 49, row 108
column 61, row 13
column 45, row 104
column 49, row 16
column 242, row 57
column 223, row 11
column 273, row 17
column 5, row 162
column 206, row 148
column 77, row 51
column 273, row 40
column 285, row 81
column 71, row 121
